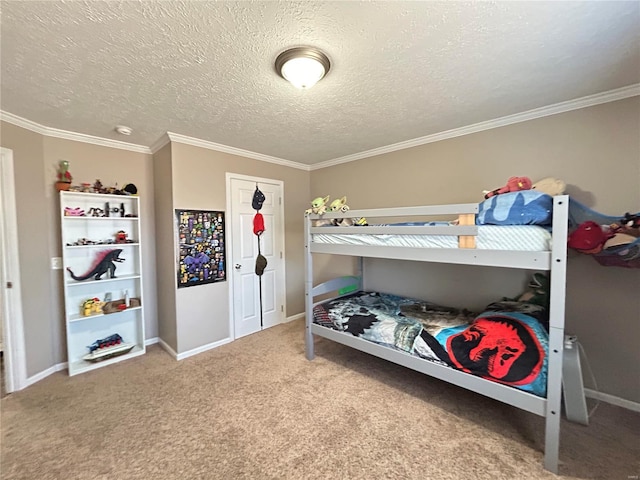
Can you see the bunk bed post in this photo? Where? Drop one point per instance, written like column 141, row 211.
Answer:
column 308, row 287
column 558, row 272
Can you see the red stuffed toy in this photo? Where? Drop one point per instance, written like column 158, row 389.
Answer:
column 589, row 237
column 514, row 184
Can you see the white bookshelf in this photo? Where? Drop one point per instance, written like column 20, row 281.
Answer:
column 84, row 239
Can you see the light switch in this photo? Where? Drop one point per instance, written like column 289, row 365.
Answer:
column 56, row 263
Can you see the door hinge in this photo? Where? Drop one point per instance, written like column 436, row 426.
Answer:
column 282, row 308
column 9, row 284
column 279, row 200
column 280, row 254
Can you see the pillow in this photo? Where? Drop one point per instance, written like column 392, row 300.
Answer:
column 526, row 207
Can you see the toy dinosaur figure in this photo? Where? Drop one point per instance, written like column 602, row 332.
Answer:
column 104, row 263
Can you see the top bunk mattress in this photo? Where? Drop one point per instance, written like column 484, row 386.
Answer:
column 532, row 238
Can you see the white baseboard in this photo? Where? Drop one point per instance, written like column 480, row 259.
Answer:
column 294, row 317
column 151, row 341
column 612, row 399
column 44, row 374
column 195, row 351
column 167, row 348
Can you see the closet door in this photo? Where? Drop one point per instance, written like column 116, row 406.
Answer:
column 258, row 302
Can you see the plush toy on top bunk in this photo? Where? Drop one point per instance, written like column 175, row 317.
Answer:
column 550, row 185
column 514, row 184
column 319, row 207
column 340, row 205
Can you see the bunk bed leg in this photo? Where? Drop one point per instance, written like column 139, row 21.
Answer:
column 308, row 291
column 557, row 296
column 308, row 343
column 554, row 395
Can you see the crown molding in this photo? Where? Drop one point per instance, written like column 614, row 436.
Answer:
column 562, row 107
column 66, row 135
column 583, row 102
column 161, row 142
column 196, row 142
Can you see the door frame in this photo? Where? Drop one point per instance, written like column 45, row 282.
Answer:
column 229, row 242
column 11, row 299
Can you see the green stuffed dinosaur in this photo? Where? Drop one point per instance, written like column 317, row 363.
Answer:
column 537, row 292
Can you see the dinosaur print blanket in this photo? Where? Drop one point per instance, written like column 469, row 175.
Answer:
column 507, row 343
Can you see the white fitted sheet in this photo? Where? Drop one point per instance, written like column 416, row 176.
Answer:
column 490, row 237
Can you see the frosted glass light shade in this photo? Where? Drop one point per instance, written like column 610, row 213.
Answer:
column 302, row 66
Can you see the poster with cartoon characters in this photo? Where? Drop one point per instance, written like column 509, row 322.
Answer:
column 201, row 255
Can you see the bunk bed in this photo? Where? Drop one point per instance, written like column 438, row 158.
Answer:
column 455, row 242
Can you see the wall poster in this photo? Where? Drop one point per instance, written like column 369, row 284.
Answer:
column 201, row 244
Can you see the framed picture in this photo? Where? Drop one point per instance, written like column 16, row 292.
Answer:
column 201, row 247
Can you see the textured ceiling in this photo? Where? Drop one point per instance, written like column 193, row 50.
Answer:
column 400, row 70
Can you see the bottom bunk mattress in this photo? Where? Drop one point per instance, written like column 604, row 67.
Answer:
column 507, row 343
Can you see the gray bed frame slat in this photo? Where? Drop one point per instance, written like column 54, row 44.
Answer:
column 553, row 261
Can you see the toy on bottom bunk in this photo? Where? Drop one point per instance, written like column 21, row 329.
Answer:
column 537, row 291
column 514, row 184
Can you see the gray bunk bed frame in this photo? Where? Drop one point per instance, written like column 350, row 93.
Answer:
column 553, row 261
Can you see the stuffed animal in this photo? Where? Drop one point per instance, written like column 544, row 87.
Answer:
column 550, row 186
column 318, row 205
column 631, row 221
column 514, row 184
column 589, row 237
column 339, row 205
column 538, row 291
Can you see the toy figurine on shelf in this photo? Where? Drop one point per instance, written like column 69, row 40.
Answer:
column 63, row 176
column 92, row 306
column 121, row 237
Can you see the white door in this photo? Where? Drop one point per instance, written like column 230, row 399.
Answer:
column 10, row 296
column 257, row 301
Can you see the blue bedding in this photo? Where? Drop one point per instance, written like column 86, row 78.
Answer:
column 507, row 343
column 527, row 207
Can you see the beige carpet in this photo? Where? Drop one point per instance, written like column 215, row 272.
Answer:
column 258, row 409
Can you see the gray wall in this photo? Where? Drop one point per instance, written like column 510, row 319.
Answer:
column 165, row 248
column 199, row 182
column 41, row 318
column 595, row 150
column 35, row 160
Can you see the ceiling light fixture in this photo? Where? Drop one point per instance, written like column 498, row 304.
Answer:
column 302, row 66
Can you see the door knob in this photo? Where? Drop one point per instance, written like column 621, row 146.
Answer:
column 238, row 266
